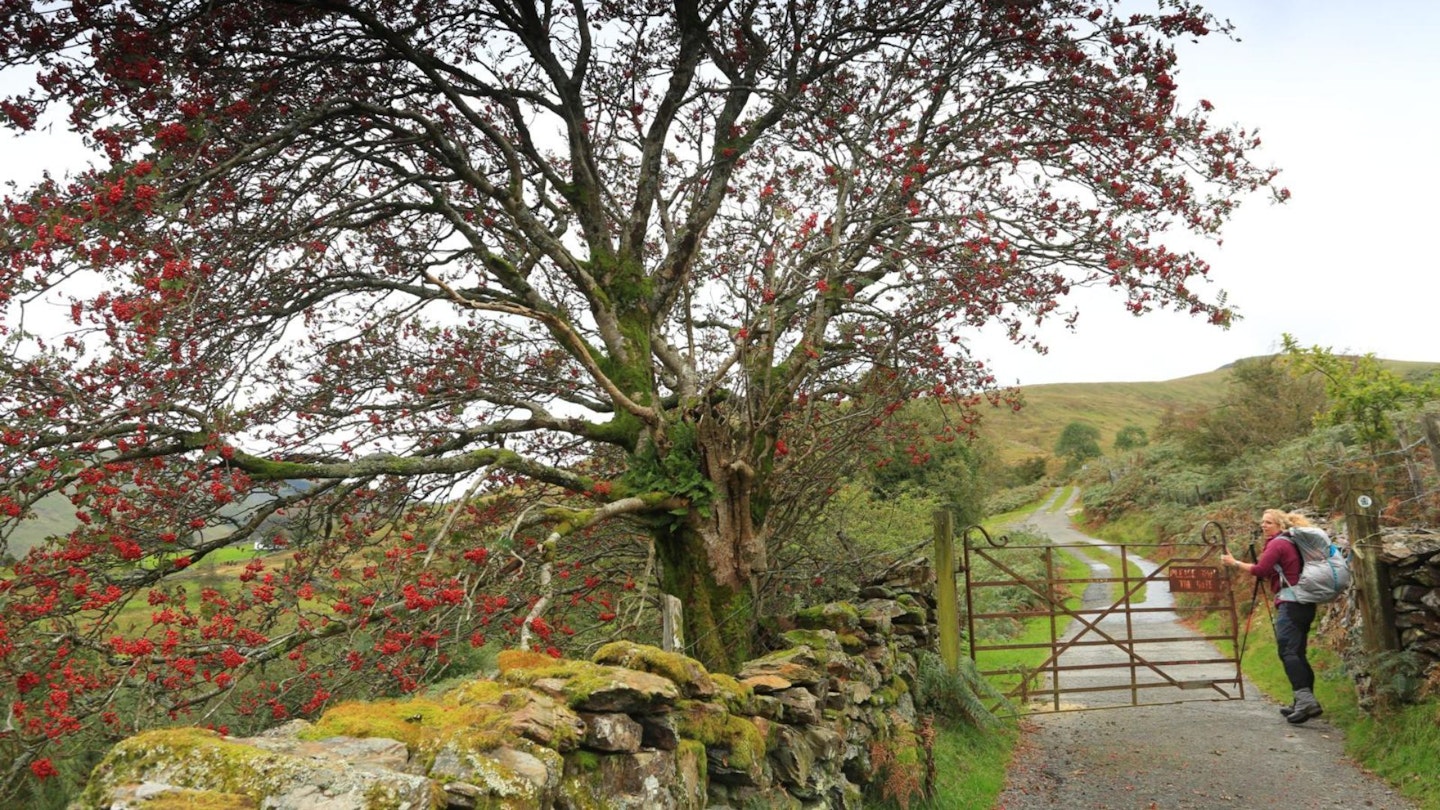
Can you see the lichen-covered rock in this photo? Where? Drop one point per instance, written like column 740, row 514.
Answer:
column 591, row 687
column 915, row 614
column 612, row 732
column 519, row 777
column 801, row 666
column 791, row 755
column 734, row 746
column 658, row 731
column 736, row 696
column 767, row 684
column 199, row 760
column 768, row 707
column 538, row 717
column 801, row 706
column 157, row 796
column 689, row 675
column 879, row 615
column 824, row 643
column 1400, row 550
column 750, row 797
column 836, row 616
column 645, row 780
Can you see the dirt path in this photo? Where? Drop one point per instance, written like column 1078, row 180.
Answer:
column 1183, row 756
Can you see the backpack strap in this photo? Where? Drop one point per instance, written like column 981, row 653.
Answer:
column 1287, row 590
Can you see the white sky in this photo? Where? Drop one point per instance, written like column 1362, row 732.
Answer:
column 1346, row 96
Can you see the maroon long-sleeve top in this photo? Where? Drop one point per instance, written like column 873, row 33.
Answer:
column 1278, row 551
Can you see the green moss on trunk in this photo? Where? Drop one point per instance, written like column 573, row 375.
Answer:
column 720, row 621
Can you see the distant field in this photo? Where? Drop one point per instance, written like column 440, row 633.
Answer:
column 231, row 554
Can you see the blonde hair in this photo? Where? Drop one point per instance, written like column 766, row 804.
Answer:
column 1280, row 517
column 1286, row 520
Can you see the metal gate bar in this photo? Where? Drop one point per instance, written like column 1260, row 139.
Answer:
column 1050, row 590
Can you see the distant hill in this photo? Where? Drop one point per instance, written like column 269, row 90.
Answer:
column 1034, row 429
column 53, row 515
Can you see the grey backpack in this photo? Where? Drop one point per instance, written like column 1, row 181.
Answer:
column 1325, row 573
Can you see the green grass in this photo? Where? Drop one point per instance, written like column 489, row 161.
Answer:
column 220, row 556
column 970, row 766
column 1034, row 631
column 995, row 523
column 1034, row 429
column 1133, row 529
column 1402, row 747
column 1100, row 554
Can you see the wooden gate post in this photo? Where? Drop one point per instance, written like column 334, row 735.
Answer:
column 1372, row 577
column 946, row 608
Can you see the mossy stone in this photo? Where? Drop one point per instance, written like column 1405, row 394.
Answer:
column 830, row 616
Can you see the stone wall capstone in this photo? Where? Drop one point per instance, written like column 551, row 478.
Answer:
column 809, row 726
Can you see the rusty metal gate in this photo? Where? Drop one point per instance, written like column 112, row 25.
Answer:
column 1102, row 650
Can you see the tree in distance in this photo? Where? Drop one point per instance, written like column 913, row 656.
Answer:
column 1078, row 443
column 492, row 277
column 1131, row 437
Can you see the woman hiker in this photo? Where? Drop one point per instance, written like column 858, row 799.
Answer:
column 1292, row 619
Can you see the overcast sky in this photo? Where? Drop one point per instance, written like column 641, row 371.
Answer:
column 1347, row 99
column 1346, row 96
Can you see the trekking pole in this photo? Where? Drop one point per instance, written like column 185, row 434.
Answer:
column 1250, row 616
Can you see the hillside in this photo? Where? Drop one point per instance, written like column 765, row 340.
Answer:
column 1034, row 429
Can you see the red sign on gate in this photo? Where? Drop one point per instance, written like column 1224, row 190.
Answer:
column 1195, row 579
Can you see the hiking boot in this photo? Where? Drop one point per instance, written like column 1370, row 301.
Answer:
column 1306, row 707
column 1286, row 711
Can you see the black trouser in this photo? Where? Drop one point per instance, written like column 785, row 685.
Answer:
column 1292, row 627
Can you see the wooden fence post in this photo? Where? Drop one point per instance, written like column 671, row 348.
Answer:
column 1431, row 424
column 946, row 608
column 672, row 624
column 1372, row 577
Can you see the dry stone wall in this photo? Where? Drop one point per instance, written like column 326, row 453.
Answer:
column 809, row 726
column 1411, row 557
column 1414, row 562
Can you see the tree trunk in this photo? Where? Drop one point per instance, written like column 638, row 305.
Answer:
column 720, row 616
column 711, row 560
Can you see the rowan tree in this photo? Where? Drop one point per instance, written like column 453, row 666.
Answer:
column 1357, row 390
column 336, row 263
